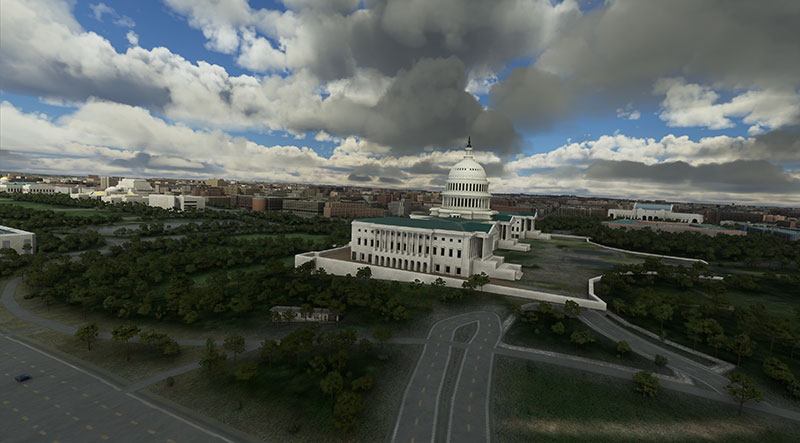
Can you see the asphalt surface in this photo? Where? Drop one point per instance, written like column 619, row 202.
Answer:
column 64, row 403
column 469, row 415
column 702, row 375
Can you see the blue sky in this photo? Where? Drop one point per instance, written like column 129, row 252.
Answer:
column 334, row 90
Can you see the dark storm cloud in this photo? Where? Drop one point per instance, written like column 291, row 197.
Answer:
column 531, row 97
column 426, row 105
column 780, row 145
column 426, row 167
column 622, row 48
column 390, row 180
column 359, row 178
column 8, row 157
column 57, row 79
column 741, row 176
column 143, row 161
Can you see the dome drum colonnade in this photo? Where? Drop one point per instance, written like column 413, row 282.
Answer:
column 467, row 192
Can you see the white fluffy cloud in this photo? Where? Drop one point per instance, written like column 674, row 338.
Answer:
column 690, row 104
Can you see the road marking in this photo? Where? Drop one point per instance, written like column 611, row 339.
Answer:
column 433, row 364
column 46, row 397
column 104, row 406
column 33, row 366
column 57, row 405
column 52, row 376
column 428, row 377
column 41, row 371
column 416, row 421
column 476, row 368
column 469, row 408
column 470, row 394
column 150, row 431
column 89, row 427
column 15, row 409
column 84, row 395
column 35, row 391
column 480, row 348
column 419, row 403
column 5, row 402
column 74, row 388
column 473, row 381
column 479, row 357
column 42, row 432
column 134, row 422
column 105, row 437
column 75, row 418
column 118, row 414
column 436, row 354
column 423, row 389
column 25, row 417
column 469, row 428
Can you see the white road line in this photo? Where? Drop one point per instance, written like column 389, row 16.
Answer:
column 458, row 377
column 194, row 425
column 63, row 362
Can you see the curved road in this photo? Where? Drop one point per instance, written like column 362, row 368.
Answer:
column 469, row 413
column 600, row 322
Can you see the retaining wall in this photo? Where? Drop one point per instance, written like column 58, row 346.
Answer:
column 344, row 267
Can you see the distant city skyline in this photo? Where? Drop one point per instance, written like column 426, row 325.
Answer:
column 623, row 99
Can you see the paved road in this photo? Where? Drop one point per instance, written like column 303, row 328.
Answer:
column 681, row 364
column 469, row 408
column 418, row 418
column 64, row 403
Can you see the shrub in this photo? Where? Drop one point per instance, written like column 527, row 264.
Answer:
column 661, row 360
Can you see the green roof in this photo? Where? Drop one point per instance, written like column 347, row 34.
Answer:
column 448, row 224
column 506, row 215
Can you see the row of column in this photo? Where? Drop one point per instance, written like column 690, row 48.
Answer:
column 463, row 202
column 416, row 243
column 470, row 187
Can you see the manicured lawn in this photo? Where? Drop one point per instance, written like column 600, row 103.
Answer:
column 539, row 402
column 285, row 403
column 539, row 336
column 563, row 266
column 79, row 212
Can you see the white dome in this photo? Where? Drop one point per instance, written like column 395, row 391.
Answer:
column 467, row 169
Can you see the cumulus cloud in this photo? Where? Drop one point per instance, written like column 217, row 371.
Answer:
column 132, row 38
column 101, row 9
column 695, row 105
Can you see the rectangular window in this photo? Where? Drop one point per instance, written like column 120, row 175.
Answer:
column 458, row 253
column 362, row 256
column 372, row 242
column 437, row 268
column 359, row 241
column 447, row 270
column 434, row 250
column 428, row 250
column 458, row 271
column 451, row 252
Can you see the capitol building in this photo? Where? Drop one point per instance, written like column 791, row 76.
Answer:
column 456, row 239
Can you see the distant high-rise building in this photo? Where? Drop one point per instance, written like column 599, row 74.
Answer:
column 216, row 182
column 107, row 182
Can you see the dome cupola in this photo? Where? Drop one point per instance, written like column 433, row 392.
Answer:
column 466, row 194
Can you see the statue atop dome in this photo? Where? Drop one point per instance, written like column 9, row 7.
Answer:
column 469, row 148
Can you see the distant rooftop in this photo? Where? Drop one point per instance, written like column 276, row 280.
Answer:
column 652, row 207
column 675, row 225
column 447, row 224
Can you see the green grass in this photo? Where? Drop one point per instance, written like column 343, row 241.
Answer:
column 538, row 402
column 540, row 336
column 286, row 404
column 78, row 212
